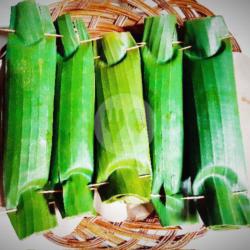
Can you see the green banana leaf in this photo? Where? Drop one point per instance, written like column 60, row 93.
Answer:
column 162, row 71
column 122, row 156
column 2, row 83
column 72, row 160
column 32, row 214
column 216, row 161
column 29, row 96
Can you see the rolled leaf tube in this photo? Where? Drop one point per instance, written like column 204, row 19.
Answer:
column 29, row 97
column 122, row 158
column 72, row 161
column 2, row 83
column 212, row 124
column 162, row 71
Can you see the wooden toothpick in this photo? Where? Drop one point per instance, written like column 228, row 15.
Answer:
column 8, row 211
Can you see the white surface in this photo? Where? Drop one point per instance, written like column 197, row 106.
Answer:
column 242, row 76
column 236, row 14
column 115, row 211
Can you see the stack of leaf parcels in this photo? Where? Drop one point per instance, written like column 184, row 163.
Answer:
column 184, row 140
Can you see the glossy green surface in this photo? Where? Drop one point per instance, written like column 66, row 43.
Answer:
column 32, row 215
column 213, row 130
column 162, row 79
column 2, row 83
column 73, row 140
column 122, row 156
column 31, row 63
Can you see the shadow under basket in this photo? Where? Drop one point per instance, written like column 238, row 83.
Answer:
column 126, row 15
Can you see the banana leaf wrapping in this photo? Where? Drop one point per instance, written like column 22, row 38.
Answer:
column 162, row 71
column 2, row 87
column 72, row 160
column 122, row 156
column 214, row 137
column 29, row 97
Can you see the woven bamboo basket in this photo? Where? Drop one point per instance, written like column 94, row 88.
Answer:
column 101, row 16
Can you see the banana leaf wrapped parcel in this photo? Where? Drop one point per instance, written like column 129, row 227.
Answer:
column 29, row 99
column 162, row 81
column 122, row 156
column 217, row 160
column 72, row 159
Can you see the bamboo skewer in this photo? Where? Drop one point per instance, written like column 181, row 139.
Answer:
column 185, row 48
column 182, row 198
column 8, row 211
column 198, row 197
column 94, row 186
column 13, row 31
column 49, row 35
column 91, row 40
column 135, row 47
column 177, row 42
column 7, row 30
column 52, row 35
column 240, row 192
column 50, row 191
column 141, row 44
